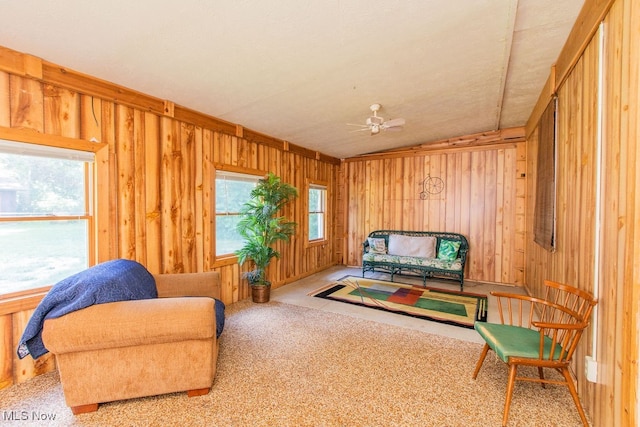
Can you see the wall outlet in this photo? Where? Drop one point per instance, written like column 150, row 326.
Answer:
column 591, row 369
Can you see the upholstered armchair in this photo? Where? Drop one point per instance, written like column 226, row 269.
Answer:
column 128, row 349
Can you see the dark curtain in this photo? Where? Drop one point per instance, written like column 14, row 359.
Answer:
column 545, row 209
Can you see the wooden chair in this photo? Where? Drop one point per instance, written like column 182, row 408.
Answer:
column 538, row 332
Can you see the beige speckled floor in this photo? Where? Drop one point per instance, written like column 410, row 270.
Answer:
column 302, row 362
column 296, row 293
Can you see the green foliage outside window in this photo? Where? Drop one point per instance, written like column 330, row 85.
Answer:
column 232, row 191
column 44, row 235
column 41, row 186
column 317, row 203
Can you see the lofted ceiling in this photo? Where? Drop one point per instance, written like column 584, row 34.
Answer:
column 301, row 70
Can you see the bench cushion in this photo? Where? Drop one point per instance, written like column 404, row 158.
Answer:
column 377, row 245
column 448, row 249
column 455, row 265
column 412, row 246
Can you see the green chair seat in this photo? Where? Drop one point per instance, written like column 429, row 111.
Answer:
column 508, row 341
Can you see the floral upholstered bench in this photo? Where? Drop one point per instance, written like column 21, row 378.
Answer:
column 426, row 253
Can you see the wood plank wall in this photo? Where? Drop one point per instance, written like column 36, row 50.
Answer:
column 483, row 199
column 613, row 269
column 573, row 260
column 155, row 182
column 102, row 110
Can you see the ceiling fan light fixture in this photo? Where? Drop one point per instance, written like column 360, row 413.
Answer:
column 375, row 124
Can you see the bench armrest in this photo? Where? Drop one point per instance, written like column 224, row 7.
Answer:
column 462, row 254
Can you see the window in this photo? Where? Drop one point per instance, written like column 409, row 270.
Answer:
column 232, row 191
column 317, row 212
column 45, row 215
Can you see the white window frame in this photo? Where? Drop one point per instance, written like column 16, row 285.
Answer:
column 224, row 173
column 322, row 186
column 88, row 158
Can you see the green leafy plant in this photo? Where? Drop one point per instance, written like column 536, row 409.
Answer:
column 261, row 227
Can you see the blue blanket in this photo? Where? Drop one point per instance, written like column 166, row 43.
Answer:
column 116, row 280
column 219, row 308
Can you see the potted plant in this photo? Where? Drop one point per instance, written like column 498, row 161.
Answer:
column 261, row 228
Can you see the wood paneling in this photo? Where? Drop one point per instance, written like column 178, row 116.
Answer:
column 572, row 261
column 26, row 368
column 154, row 171
column 6, row 351
column 602, row 255
column 26, row 100
column 488, row 194
column 592, row 13
column 483, row 198
column 61, row 112
column 629, row 329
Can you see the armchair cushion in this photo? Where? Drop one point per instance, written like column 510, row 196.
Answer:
column 131, row 323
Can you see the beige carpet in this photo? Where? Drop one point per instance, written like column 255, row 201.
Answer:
column 284, row 365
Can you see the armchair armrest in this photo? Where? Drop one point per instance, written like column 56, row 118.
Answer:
column 556, row 338
column 205, row 284
column 130, row 323
column 521, row 308
column 559, row 326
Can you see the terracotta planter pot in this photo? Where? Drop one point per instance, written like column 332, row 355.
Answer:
column 261, row 293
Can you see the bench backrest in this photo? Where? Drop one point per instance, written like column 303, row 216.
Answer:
column 440, row 235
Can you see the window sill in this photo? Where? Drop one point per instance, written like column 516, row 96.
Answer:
column 21, row 301
column 224, row 260
column 315, row 243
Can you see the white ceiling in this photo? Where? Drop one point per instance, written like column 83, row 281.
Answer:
column 301, row 70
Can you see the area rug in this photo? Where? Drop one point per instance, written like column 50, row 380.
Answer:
column 439, row 305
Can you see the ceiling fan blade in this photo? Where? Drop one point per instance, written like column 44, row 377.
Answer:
column 393, row 123
column 354, row 124
column 366, row 128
